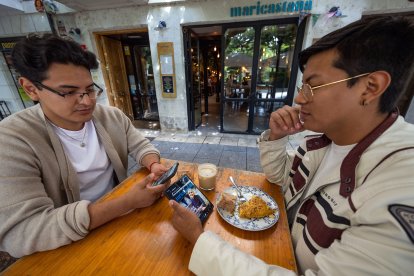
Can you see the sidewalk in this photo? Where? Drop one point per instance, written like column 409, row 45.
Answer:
column 238, row 151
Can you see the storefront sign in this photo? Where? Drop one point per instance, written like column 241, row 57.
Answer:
column 4, row 46
column 272, row 8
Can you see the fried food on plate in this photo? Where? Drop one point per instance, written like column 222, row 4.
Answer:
column 255, row 208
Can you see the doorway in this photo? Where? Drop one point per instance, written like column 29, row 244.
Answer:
column 128, row 74
column 203, row 75
column 256, row 73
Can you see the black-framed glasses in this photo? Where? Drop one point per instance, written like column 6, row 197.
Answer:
column 307, row 90
column 93, row 91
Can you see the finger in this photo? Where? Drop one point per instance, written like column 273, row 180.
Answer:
column 160, row 170
column 147, row 180
column 277, row 119
column 178, row 208
column 291, row 119
column 163, row 168
column 156, row 189
column 296, row 118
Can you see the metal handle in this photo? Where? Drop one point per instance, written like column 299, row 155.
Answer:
column 235, row 185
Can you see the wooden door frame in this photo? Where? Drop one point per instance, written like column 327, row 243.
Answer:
column 98, row 42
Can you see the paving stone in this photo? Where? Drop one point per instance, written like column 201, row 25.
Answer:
column 253, row 154
column 233, row 159
column 212, row 140
column 206, row 160
column 133, row 169
column 208, row 151
column 238, row 151
column 163, row 137
column 131, row 162
column 188, row 147
column 234, row 148
column 254, row 168
column 196, row 139
column 182, row 156
column 167, row 147
column 229, row 141
column 247, row 143
column 178, row 139
column 172, row 137
column 166, row 156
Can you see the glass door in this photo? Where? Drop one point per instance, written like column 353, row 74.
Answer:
column 277, row 44
column 146, row 107
column 238, row 63
column 194, row 76
column 259, row 69
column 198, row 82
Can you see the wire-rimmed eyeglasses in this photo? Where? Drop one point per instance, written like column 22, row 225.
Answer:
column 307, row 91
column 93, row 91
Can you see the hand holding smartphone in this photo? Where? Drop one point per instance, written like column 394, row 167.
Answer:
column 185, row 192
column 167, row 175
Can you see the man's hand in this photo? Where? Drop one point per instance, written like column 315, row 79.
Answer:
column 158, row 169
column 143, row 194
column 186, row 222
column 284, row 121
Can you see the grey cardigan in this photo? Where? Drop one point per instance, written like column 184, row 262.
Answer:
column 40, row 207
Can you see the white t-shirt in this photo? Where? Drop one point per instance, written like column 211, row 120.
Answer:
column 331, row 162
column 91, row 163
column 330, row 165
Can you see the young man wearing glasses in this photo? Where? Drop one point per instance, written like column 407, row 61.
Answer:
column 349, row 191
column 58, row 157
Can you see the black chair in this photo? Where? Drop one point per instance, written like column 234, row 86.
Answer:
column 5, row 260
column 4, row 110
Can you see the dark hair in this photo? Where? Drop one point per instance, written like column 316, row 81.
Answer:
column 372, row 44
column 33, row 55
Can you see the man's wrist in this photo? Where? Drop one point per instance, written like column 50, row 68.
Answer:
column 196, row 235
column 273, row 137
column 152, row 164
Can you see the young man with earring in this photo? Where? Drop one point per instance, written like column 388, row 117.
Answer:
column 349, row 191
column 59, row 156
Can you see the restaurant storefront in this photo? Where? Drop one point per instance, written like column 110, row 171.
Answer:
column 228, row 63
column 243, row 67
column 232, row 66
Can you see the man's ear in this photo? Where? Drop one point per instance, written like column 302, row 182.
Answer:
column 30, row 89
column 376, row 84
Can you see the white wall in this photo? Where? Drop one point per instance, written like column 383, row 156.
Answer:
column 18, row 25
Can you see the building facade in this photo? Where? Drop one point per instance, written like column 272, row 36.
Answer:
column 160, row 79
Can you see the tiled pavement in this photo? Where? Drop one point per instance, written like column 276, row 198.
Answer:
column 225, row 150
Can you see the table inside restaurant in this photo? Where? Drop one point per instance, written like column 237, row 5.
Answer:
column 143, row 242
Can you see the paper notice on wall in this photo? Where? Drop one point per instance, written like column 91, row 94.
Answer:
column 166, row 62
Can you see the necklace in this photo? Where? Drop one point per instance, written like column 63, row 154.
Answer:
column 82, row 143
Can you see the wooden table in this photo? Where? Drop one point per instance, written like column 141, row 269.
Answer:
column 143, row 242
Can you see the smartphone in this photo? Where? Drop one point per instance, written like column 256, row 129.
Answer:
column 185, row 192
column 167, row 175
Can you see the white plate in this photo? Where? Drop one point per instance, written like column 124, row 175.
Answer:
column 256, row 224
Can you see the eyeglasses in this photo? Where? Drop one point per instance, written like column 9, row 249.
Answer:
column 307, row 90
column 94, row 91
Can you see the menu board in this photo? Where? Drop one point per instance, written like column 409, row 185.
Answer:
column 167, row 69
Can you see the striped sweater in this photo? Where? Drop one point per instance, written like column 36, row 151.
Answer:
column 357, row 220
column 319, row 213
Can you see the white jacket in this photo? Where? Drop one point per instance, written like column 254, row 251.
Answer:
column 367, row 229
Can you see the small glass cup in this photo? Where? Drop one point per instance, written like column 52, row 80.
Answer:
column 207, row 174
